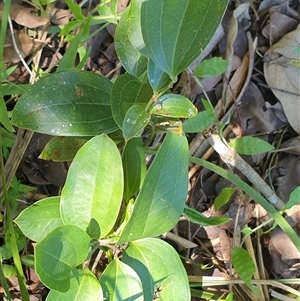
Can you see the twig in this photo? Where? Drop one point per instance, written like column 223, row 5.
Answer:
column 231, row 157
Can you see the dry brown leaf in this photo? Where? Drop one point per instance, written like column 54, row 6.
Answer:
column 25, row 44
column 282, row 74
column 291, row 146
column 24, row 16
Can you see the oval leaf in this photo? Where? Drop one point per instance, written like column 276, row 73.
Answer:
column 294, row 199
column 68, row 103
column 120, row 282
column 61, row 250
column 62, row 149
column 176, row 32
column 223, row 198
column 43, row 215
column 199, row 123
column 244, row 266
column 211, row 67
column 92, row 195
column 134, row 122
column 175, row 106
column 83, row 286
column 134, row 166
column 159, row 268
column 131, row 59
column 158, row 79
column 126, row 92
column 162, row 197
column 250, row 145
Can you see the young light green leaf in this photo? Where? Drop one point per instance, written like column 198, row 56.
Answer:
column 61, row 250
column 162, row 197
column 43, row 215
column 120, row 282
column 131, row 59
column 244, row 266
column 92, row 195
column 224, row 197
column 197, row 217
column 135, row 121
column 62, row 149
column 83, row 286
column 175, row 106
column 68, row 103
column 294, row 199
column 172, row 41
column 126, row 92
column 250, row 145
column 158, row 79
column 199, row 123
column 159, row 268
column 211, row 67
column 134, row 166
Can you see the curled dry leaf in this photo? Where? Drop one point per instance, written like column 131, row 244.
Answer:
column 282, row 75
column 25, row 44
column 24, row 16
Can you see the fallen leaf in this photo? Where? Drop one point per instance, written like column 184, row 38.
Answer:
column 282, row 75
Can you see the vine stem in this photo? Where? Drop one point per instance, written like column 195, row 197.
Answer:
column 230, row 156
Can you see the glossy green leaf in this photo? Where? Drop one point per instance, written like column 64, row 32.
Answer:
column 126, row 92
column 223, row 198
column 134, row 166
column 176, row 32
column 131, row 59
column 135, row 121
column 159, row 268
column 39, row 219
column 162, row 197
column 197, row 217
column 250, row 145
column 294, row 199
column 134, row 26
column 92, row 195
column 68, row 103
column 158, row 79
column 199, row 123
column 120, row 282
column 83, row 286
column 62, row 149
column 211, row 67
column 61, row 250
column 175, row 106
column 244, row 266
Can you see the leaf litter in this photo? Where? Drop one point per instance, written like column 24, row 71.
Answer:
column 266, row 104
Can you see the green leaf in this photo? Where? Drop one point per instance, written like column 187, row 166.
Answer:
column 131, row 59
column 8, row 138
column 61, row 250
column 68, row 103
column 120, row 282
column 175, row 106
column 158, row 79
column 176, row 32
column 134, row 166
column 250, row 145
column 62, row 149
column 39, row 219
column 224, row 197
column 9, row 270
column 126, row 92
column 135, row 121
column 4, row 115
column 199, row 123
column 197, row 217
column 162, row 197
column 244, row 266
column 211, row 67
column 76, row 9
column 92, row 195
column 294, row 199
column 83, row 286
column 134, row 26
column 159, row 268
